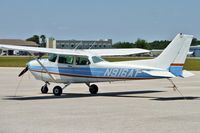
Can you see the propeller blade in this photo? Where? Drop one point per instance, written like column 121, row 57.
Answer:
column 23, row 71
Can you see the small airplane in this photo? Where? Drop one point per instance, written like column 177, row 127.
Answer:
column 88, row 66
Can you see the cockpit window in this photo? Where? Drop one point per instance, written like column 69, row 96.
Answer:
column 82, row 60
column 52, row 57
column 66, row 59
column 97, row 59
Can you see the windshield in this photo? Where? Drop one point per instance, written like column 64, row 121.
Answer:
column 97, row 59
column 52, row 57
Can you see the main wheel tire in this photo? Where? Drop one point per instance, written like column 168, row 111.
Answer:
column 57, row 90
column 93, row 89
column 44, row 89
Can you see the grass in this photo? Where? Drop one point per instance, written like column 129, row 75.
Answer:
column 14, row 61
column 190, row 64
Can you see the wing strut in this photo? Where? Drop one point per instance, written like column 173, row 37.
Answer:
column 46, row 70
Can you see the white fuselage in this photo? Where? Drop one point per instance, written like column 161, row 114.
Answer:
column 94, row 72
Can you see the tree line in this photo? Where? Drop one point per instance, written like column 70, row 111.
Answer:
column 39, row 40
column 141, row 43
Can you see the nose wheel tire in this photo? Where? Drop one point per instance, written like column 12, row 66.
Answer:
column 57, row 90
column 93, row 89
column 44, row 89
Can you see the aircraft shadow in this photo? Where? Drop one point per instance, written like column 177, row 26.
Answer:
column 126, row 94
column 177, row 98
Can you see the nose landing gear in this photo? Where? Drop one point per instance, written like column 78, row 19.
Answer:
column 44, row 89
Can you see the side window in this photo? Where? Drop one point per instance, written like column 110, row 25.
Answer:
column 52, row 57
column 82, row 60
column 66, row 59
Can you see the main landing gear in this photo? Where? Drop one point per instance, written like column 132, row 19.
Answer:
column 57, row 90
column 92, row 88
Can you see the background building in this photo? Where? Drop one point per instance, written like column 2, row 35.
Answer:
column 195, row 50
column 79, row 44
column 50, row 42
column 17, row 42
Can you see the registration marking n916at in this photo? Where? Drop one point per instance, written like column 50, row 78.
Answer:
column 121, row 72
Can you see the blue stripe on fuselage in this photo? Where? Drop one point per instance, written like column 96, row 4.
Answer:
column 95, row 72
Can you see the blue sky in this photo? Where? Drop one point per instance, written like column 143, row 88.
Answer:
column 120, row 20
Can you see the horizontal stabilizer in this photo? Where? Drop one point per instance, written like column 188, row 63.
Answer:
column 164, row 74
column 186, row 74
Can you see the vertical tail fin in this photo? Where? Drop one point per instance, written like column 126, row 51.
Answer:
column 176, row 52
column 174, row 55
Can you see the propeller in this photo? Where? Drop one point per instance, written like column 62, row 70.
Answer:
column 23, row 71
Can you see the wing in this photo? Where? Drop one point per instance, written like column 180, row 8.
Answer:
column 115, row 52
column 99, row 52
column 42, row 50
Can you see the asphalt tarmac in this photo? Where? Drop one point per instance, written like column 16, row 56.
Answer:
column 120, row 107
